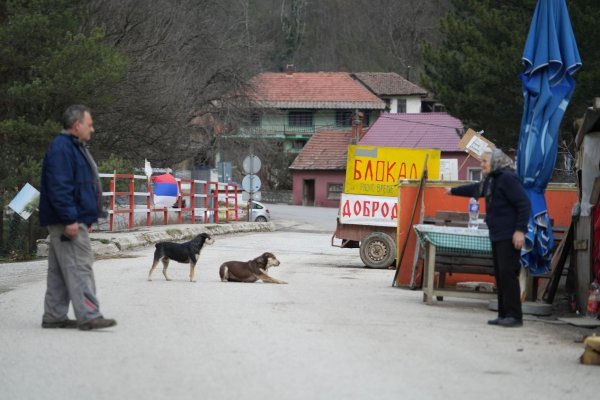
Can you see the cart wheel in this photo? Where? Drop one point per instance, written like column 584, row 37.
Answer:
column 378, row 250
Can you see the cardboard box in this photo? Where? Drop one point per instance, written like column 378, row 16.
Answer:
column 475, row 144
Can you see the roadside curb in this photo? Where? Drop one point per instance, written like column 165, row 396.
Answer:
column 113, row 243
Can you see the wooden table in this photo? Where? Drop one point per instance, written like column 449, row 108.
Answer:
column 451, row 240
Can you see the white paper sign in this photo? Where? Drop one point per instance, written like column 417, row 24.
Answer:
column 26, row 201
column 477, row 146
column 448, row 169
column 369, row 210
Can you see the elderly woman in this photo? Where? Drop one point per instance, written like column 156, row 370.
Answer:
column 507, row 213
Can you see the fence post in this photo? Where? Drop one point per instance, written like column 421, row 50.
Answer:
column 131, row 202
column 112, row 187
column 216, row 202
column 193, row 200
column 148, row 203
column 179, row 196
column 235, row 202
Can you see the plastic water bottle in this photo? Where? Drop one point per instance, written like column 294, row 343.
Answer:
column 473, row 213
column 593, row 301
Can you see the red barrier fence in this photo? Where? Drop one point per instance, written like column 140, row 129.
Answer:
column 197, row 199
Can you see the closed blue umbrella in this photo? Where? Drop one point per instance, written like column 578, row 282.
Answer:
column 550, row 59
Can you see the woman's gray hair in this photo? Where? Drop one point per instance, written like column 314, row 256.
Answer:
column 499, row 160
column 73, row 113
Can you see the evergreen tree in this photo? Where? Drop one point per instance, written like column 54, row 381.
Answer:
column 474, row 71
column 47, row 62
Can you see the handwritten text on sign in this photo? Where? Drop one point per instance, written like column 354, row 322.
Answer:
column 376, row 170
column 369, row 210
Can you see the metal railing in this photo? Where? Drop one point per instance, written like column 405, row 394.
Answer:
column 196, row 200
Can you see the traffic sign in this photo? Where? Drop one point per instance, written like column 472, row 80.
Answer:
column 251, row 183
column 251, row 164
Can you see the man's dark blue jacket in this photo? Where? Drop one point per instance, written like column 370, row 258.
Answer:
column 507, row 204
column 68, row 191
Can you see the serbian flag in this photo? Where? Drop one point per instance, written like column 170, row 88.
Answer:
column 165, row 190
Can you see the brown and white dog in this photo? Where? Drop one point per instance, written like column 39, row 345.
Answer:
column 187, row 252
column 249, row 271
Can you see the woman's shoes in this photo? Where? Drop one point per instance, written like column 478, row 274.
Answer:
column 507, row 322
column 510, row 322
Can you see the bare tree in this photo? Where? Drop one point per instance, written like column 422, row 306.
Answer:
column 189, row 60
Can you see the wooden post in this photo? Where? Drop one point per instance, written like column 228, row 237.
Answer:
column 412, row 217
column 582, row 249
column 398, row 233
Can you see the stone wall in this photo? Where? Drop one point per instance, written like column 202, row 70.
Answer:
column 278, row 196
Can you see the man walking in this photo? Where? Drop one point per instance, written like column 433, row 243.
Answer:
column 70, row 202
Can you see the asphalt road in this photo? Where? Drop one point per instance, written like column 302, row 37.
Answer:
column 336, row 331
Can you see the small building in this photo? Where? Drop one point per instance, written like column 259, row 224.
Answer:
column 400, row 95
column 319, row 171
column 426, row 131
column 292, row 106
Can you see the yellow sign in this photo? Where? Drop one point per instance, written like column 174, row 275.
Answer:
column 376, row 170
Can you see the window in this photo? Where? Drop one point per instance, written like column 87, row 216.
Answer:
column 300, row 118
column 343, row 117
column 298, row 144
column 334, row 191
column 401, row 105
column 255, row 119
column 475, row 174
column 366, row 118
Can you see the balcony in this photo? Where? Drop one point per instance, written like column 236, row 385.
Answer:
column 285, row 131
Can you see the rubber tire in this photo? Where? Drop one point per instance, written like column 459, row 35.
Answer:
column 378, row 250
column 260, row 219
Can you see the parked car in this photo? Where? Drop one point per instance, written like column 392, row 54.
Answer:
column 259, row 212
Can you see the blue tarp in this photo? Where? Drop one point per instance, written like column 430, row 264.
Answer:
column 550, row 59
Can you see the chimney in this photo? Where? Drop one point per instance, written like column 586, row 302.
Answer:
column 289, row 69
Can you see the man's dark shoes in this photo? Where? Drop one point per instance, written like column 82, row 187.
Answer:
column 495, row 321
column 67, row 323
column 510, row 322
column 98, row 323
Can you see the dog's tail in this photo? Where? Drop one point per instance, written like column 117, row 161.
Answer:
column 224, row 272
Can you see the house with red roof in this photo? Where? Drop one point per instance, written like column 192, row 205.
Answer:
column 319, row 171
column 292, row 106
column 400, row 94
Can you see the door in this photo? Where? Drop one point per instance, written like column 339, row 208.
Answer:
column 308, row 194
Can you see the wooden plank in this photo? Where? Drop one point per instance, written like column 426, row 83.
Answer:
column 595, row 196
column 409, row 229
column 584, row 262
column 557, row 265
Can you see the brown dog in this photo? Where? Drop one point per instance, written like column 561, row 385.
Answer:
column 249, row 271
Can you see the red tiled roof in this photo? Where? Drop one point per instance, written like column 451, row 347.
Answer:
column 389, row 83
column 422, row 130
column 327, row 90
column 326, row 150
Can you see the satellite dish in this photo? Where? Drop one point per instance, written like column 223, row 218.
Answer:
column 251, row 164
